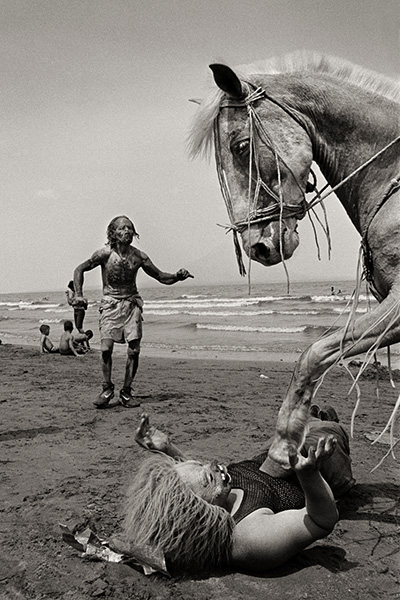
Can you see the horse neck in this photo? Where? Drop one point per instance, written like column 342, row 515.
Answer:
column 348, row 126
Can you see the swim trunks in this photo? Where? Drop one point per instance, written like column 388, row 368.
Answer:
column 121, row 319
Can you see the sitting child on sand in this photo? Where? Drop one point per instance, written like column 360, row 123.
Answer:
column 46, row 345
column 68, row 345
column 81, row 340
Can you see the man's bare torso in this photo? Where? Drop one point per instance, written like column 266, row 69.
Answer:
column 119, row 273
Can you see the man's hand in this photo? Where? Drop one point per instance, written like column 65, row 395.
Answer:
column 183, row 274
column 79, row 301
column 315, row 457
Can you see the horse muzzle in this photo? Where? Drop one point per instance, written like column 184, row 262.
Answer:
column 270, row 244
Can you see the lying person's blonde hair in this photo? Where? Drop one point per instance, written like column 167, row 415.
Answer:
column 163, row 512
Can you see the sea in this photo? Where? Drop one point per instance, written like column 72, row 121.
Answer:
column 261, row 320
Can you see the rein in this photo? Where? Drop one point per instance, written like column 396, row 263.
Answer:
column 318, row 199
column 278, row 209
column 365, row 248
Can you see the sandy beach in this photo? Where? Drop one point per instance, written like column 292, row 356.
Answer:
column 65, row 462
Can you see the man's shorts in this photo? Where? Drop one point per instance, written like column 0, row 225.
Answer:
column 121, row 320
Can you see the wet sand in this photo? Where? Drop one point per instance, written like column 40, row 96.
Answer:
column 65, row 462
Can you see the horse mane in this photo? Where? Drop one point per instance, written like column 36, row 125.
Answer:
column 201, row 135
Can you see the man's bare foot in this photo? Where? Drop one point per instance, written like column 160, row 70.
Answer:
column 151, row 438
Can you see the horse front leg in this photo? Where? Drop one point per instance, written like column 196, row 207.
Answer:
column 382, row 324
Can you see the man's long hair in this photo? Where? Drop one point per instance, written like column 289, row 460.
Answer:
column 163, row 512
column 111, row 239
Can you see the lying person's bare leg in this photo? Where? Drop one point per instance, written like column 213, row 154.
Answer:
column 151, row 438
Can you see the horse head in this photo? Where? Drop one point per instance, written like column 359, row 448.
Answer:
column 264, row 156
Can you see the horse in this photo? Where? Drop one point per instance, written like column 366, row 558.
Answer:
column 267, row 125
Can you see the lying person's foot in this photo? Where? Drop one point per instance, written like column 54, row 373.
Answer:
column 126, row 399
column 328, row 413
column 149, row 437
column 314, row 411
column 106, row 395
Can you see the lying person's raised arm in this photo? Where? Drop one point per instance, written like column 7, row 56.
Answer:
column 264, row 540
column 151, row 438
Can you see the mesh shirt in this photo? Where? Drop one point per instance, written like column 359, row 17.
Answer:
column 260, row 490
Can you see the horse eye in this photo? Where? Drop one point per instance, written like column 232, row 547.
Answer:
column 242, row 148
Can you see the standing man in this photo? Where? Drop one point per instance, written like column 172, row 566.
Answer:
column 121, row 306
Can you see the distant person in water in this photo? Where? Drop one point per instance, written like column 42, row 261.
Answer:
column 46, row 345
column 79, row 308
column 121, row 306
column 334, row 292
column 68, row 345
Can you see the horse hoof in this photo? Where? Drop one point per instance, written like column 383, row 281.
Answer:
column 279, row 453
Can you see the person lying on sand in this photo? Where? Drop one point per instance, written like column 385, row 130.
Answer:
column 208, row 515
column 46, row 345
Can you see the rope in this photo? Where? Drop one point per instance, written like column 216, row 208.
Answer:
column 278, row 170
column 256, row 191
column 317, row 199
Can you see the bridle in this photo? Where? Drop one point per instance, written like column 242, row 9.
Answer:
column 278, row 209
column 273, row 211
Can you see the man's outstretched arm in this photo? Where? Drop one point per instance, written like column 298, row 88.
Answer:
column 166, row 278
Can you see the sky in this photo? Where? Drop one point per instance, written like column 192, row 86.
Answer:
column 95, row 119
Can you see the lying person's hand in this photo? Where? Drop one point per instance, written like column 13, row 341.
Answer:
column 314, row 457
column 151, row 438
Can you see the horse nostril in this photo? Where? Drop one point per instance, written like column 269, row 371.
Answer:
column 261, row 251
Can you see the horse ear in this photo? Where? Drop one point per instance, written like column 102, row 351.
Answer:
column 227, row 80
